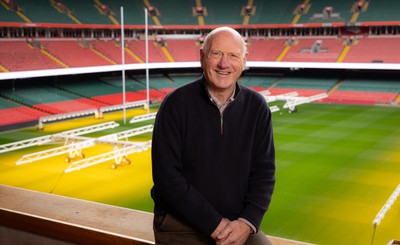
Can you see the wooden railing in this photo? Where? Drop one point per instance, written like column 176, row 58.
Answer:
column 30, row 217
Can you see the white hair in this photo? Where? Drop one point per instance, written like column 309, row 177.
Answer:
column 206, row 44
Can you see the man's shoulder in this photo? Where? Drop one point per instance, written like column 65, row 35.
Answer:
column 184, row 91
column 249, row 92
column 189, row 86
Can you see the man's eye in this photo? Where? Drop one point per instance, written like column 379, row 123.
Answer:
column 216, row 54
column 233, row 57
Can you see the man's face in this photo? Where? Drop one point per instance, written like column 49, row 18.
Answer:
column 224, row 61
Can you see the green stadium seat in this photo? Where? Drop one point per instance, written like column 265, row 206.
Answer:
column 9, row 15
column 175, row 12
column 273, row 12
column 41, row 11
column 387, row 10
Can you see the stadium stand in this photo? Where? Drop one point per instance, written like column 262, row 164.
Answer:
column 42, row 12
column 381, row 11
column 301, row 92
column 47, row 98
column 223, row 12
column 372, row 85
column 165, row 85
column 112, row 50
column 18, row 115
column 134, row 90
column 183, row 50
column 59, row 53
column 117, row 99
column 61, row 107
column 86, row 12
column 375, row 49
column 182, row 79
column 327, row 11
column 264, row 50
column 83, row 87
column 158, row 82
column 159, row 86
column 261, row 47
column 67, row 51
column 259, row 82
column 360, row 97
column 167, row 12
column 304, row 86
column 276, row 12
column 130, row 83
column 155, row 52
column 37, row 94
column 107, row 91
column 13, row 113
column 365, row 91
column 134, row 13
column 8, row 14
column 262, row 12
column 307, row 83
column 18, row 55
column 78, row 94
column 314, row 50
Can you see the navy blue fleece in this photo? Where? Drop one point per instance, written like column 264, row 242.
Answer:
column 202, row 174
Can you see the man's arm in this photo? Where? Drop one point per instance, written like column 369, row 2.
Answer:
column 262, row 175
column 261, row 186
column 169, row 183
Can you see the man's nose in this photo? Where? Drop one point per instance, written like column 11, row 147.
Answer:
column 224, row 62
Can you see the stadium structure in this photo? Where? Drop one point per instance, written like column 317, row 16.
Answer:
column 75, row 170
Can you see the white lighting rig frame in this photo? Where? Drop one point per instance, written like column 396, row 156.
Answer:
column 144, row 117
column 118, row 155
column 291, row 103
column 56, row 137
column 74, row 144
column 291, row 99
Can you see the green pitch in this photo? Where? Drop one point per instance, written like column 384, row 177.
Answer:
column 337, row 165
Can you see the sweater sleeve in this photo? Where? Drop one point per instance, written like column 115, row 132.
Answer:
column 174, row 190
column 262, row 174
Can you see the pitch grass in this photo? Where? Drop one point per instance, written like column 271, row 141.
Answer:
column 337, row 165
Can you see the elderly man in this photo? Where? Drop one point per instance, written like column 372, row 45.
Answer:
column 213, row 154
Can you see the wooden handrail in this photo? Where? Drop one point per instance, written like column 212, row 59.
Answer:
column 72, row 220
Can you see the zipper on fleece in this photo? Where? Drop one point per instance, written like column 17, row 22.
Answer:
column 221, row 116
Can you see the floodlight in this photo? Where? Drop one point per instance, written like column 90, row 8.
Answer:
column 381, row 214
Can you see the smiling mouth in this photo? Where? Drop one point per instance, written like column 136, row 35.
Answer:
column 223, row 72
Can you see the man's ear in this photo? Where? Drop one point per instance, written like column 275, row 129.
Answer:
column 245, row 60
column 201, row 57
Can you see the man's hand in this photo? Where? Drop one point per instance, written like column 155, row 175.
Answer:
column 224, row 222
column 235, row 232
